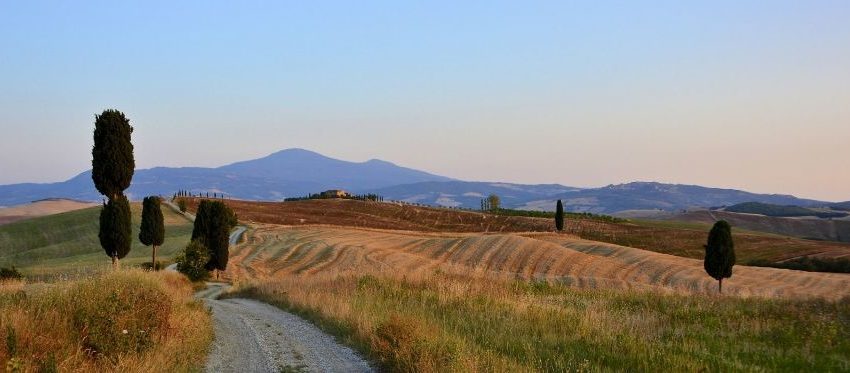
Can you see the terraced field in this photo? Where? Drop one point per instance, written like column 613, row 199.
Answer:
column 277, row 252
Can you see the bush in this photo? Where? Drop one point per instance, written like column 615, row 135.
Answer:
column 181, row 204
column 160, row 265
column 10, row 274
column 193, row 261
column 120, row 316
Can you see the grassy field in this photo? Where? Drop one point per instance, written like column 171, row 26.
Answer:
column 67, row 243
column 127, row 321
column 442, row 322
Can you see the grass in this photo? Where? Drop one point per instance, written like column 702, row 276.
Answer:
column 445, row 322
column 121, row 321
column 67, row 243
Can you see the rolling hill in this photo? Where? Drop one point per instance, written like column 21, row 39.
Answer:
column 785, row 211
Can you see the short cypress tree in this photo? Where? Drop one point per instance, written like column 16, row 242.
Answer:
column 559, row 216
column 152, row 231
column 213, row 223
column 115, row 228
column 720, row 253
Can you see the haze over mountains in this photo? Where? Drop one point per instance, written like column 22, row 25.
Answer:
column 297, row 172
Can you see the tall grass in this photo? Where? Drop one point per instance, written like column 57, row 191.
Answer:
column 445, row 322
column 121, row 321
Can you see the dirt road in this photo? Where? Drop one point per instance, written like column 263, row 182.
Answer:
column 252, row 336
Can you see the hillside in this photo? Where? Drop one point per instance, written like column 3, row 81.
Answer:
column 781, row 210
column 40, row 208
column 67, row 243
column 673, row 238
column 816, row 229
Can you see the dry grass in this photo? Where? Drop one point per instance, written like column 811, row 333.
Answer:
column 673, row 238
column 450, row 322
column 274, row 252
column 125, row 321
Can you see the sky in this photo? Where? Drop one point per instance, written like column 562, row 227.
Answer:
column 752, row 95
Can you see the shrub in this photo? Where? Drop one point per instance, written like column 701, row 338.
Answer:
column 181, row 204
column 193, row 261
column 119, row 317
column 10, row 274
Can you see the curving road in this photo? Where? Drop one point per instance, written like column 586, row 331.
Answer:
column 252, row 336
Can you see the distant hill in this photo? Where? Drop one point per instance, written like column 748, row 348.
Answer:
column 843, row 206
column 605, row 200
column 297, row 172
column 288, row 173
column 768, row 209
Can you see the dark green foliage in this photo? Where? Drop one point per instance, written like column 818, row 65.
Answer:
column 181, row 204
column 10, row 274
column 559, row 216
column 213, row 223
column 152, row 231
column 115, row 227
column 720, row 252
column 781, row 211
column 551, row 215
column 112, row 155
column 193, row 261
column 810, row 264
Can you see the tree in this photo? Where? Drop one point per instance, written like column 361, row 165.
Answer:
column 213, row 223
column 720, row 253
column 112, row 155
column 152, row 231
column 193, row 261
column 115, row 228
column 112, row 171
column 559, row 216
column 494, row 202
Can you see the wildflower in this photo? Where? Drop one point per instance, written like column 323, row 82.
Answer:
column 124, row 331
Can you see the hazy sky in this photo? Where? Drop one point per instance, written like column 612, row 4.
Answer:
column 750, row 95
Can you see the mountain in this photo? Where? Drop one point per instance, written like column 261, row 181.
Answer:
column 785, row 211
column 297, row 172
column 288, row 173
column 608, row 200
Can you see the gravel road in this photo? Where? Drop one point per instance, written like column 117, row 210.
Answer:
column 252, row 336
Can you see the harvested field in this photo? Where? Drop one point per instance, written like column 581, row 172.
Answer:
column 684, row 240
column 277, row 252
column 40, row 208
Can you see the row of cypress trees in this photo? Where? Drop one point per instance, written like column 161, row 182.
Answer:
column 113, row 166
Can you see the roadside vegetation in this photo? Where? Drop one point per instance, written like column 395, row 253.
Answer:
column 446, row 322
column 126, row 320
column 781, row 211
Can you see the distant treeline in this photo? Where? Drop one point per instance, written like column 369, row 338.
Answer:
column 810, row 264
column 356, row 197
column 551, row 215
column 781, row 211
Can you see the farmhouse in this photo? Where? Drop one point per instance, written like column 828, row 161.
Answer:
column 335, row 193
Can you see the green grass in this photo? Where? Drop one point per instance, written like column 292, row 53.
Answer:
column 446, row 323
column 67, row 243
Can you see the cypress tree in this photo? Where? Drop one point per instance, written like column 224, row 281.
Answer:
column 152, row 232
column 115, row 233
column 720, row 253
column 113, row 165
column 112, row 155
column 559, row 216
column 213, row 223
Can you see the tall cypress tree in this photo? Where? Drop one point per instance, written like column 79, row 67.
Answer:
column 720, row 253
column 559, row 216
column 213, row 223
column 152, row 232
column 113, row 165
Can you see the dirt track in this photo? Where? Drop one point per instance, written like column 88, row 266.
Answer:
column 252, row 336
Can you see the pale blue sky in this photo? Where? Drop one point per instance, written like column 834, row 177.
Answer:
column 751, row 95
